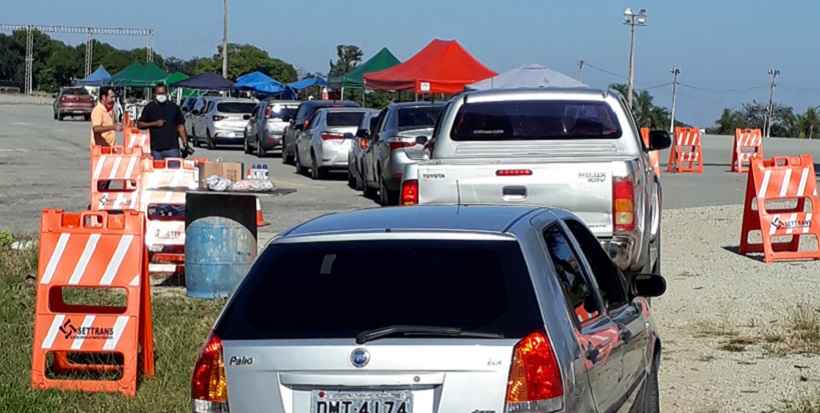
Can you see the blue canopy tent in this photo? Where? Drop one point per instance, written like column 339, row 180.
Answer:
column 526, row 76
column 98, row 78
column 261, row 83
column 307, row 82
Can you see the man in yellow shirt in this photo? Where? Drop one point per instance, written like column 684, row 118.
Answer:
column 103, row 128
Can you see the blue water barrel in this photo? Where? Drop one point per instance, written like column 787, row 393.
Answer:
column 218, row 253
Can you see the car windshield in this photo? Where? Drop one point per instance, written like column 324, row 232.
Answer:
column 418, row 118
column 534, row 120
column 235, row 107
column 344, row 118
column 75, row 91
column 340, row 289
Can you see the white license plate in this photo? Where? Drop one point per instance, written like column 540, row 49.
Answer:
column 322, row 401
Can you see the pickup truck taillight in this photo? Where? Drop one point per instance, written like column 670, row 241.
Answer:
column 513, row 172
column 535, row 377
column 409, row 192
column 623, row 204
column 209, row 384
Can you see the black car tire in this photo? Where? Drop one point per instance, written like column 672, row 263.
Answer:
column 260, row 151
column 386, row 196
column 651, row 391
column 209, row 140
column 245, row 147
column 54, row 115
column 351, row 179
column 60, row 116
column 301, row 170
column 316, row 171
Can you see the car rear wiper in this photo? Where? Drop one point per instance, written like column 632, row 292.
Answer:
column 409, row 330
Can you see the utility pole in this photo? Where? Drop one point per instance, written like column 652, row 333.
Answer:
column 29, row 86
column 581, row 70
column 773, row 73
column 631, row 19
column 675, row 73
column 225, row 42
column 89, row 53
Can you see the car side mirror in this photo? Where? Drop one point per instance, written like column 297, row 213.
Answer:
column 649, row 285
column 659, row 139
column 421, row 140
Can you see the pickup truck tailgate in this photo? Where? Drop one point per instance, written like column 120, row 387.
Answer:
column 583, row 188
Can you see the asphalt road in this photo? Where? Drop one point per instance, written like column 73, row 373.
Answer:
column 44, row 164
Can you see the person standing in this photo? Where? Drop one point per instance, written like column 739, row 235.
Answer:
column 166, row 124
column 103, row 127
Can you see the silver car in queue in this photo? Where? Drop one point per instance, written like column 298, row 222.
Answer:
column 326, row 141
column 267, row 125
column 493, row 309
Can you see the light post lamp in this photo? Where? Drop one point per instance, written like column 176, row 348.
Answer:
column 631, row 19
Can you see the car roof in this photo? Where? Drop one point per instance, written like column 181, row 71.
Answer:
column 281, row 102
column 438, row 218
column 400, row 105
column 309, row 103
column 343, row 109
column 585, row 93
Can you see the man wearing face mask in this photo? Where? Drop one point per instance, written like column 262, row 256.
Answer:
column 103, row 127
column 164, row 120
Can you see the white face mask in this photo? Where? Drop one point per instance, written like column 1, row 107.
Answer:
column 162, row 98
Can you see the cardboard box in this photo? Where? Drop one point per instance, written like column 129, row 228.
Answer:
column 233, row 171
column 210, row 168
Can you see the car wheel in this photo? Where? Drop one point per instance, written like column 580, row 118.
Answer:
column 60, row 116
column 651, row 390
column 316, row 171
column 54, row 115
column 351, row 179
column 386, row 196
column 260, row 151
column 284, row 154
column 209, row 140
column 245, row 146
column 301, row 170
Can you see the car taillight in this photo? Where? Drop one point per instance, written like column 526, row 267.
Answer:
column 400, row 144
column 409, row 192
column 623, row 204
column 513, row 172
column 331, row 136
column 209, row 384
column 363, row 143
column 217, row 118
column 535, row 377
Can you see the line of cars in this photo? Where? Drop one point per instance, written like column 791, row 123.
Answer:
column 525, row 308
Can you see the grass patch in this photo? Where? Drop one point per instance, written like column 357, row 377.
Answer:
column 799, row 333
column 715, row 329
column 803, row 405
column 180, row 327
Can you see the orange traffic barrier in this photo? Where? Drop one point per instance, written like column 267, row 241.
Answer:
column 137, row 138
column 686, row 153
column 654, row 156
column 115, row 177
column 162, row 199
column 746, row 144
column 88, row 346
column 781, row 196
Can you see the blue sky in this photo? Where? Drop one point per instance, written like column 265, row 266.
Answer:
column 724, row 48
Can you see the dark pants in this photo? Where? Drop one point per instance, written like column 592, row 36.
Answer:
column 165, row 153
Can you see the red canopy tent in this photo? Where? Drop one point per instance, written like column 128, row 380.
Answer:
column 443, row 66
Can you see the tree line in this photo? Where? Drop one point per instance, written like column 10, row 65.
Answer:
column 785, row 121
column 57, row 64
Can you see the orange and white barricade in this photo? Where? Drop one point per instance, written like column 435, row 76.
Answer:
column 89, row 346
column 164, row 184
column 654, row 156
column 137, row 138
column 686, row 153
column 781, row 196
column 746, row 144
column 115, row 177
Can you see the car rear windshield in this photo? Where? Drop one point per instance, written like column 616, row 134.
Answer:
column 344, row 118
column 75, row 91
column 339, row 289
column 534, row 120
column 235, row 107
column 418, row 118
column 282, row 112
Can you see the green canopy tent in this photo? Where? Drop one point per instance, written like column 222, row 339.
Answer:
column 380, row 61
column 139, row 75
column 174, row 78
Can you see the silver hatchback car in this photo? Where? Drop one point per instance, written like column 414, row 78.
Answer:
column 493, row 309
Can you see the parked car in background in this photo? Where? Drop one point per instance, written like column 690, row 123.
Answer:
column 73, row 101
column 223, row 121
column 492, row 309
column 192, row 118
column 267, row 125
column 356, row 158
column 297, row 123
column 399, row 126
column 577, row 149
column 327, row 138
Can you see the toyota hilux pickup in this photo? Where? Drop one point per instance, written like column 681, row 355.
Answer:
column 577, row 149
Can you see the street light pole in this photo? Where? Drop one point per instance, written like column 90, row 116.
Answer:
column 773, row 73
column 675, row 73
column 225, row 42
column 631, row 19
column 581, row 70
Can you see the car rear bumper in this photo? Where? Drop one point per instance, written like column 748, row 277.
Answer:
column 75, row 110
column 272, row 142
column 228, row 136
column 335, row 155
column 394, row 173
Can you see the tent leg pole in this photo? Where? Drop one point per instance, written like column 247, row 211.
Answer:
column 342, row 96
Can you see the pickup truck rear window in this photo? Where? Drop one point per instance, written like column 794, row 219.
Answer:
column 535, row 120
column 339, row 289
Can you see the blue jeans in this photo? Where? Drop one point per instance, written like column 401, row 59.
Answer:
column 165, row 153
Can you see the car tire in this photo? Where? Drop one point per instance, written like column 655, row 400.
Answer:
column 284, row 155
column 386, row 196
column 651, row 390
column 260, row 151
column 209, row 140
column 60, row 116
column 245, row 147
column 301, row 170
column 54, row 115
column 316, row 171
column 351, row 179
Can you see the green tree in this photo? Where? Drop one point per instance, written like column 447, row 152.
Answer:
column 646, row 113
column 807, row 123
column 11, row 61
column 347, row 58
column 245, row 58
column 727, row 123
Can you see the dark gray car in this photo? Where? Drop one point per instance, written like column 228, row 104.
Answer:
column 492, row 309
column 298, row 122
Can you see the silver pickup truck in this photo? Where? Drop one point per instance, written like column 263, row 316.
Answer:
column 577, row 149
